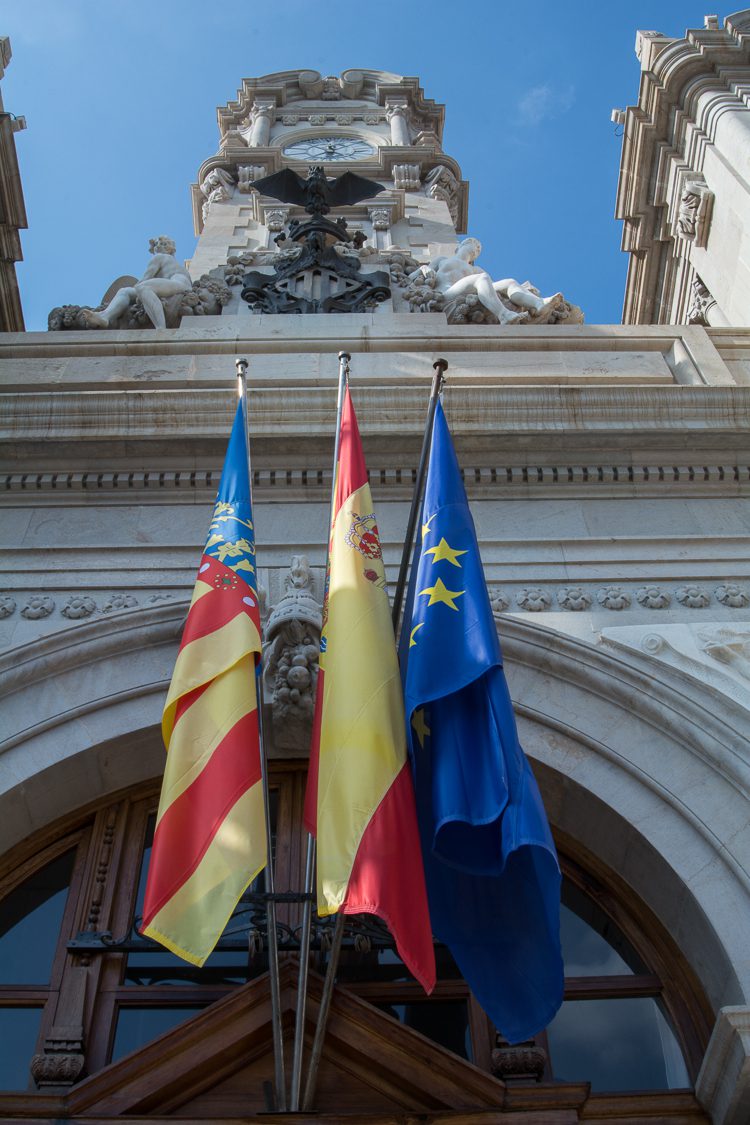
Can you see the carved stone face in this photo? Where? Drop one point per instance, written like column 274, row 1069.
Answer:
column 470, row 249
column 162, row 245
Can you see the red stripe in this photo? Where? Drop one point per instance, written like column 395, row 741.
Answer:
column 190, row 823
column 221, row 604
column 352, row 471
column 186, row 701
column 310, row 814
column 388, row 878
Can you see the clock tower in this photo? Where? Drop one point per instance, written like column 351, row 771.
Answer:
column 375, row 124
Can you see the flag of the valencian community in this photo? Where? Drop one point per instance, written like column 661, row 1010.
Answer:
column 493, row 878
column 360, row 797
column 210, row 838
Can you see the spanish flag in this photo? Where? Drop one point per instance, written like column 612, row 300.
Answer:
column 210, row 838
column 360, row 798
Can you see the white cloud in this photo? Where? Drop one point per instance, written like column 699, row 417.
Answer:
column 540, row 103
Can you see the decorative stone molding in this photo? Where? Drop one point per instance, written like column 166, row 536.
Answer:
column 613, row 597
column 652, row 597
column 276, row 218
column 534, row 599
column 406, row 177
column 317, row 118
column 291, row 659
column 38, row 606
column 548, row 481
column 380, row 217
column 723, row 1083
column 331, row 91
column 715, row 655
column 694, row 597
column 344, row 118
column 440, row 183
column 290, row 119
column 728, row 646
column 331, row 88
column 730, row 594
column 693, row 216
column 498, row 601
column 119, row 601
column 574, row 598
column 217, row 187
column 7, row 606
column 262, row 117
column 702, row 303
column 522, row 1060
column 56, row 1068
column 79, row 606
column 246, row 176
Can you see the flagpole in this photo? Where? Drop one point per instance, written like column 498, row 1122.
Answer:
column 325, row 1004
column 440, row 366
column 273, row 948
column 304, row 945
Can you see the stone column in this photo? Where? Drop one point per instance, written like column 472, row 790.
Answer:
column 262, row 117
column 397, row 115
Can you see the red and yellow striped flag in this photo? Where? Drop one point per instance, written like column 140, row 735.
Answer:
column 210, row 838
column 360, row 798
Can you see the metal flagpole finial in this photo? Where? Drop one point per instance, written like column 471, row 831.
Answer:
column 344, row 361
column 242, row 366
column 440, row 367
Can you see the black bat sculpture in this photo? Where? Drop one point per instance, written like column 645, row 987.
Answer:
column 317, row 194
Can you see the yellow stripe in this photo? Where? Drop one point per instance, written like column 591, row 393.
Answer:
column 192, row 921
column 203, row 659
column 204, row 724
column 363, row 741
column 200, row 590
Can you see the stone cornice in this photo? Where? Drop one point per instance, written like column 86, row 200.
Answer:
column 285, row 87
column 391, row 409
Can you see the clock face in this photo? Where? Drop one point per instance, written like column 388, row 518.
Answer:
column 321, row 150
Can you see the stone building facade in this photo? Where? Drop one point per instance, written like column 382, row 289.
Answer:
column 608, row 474
column 684, row 196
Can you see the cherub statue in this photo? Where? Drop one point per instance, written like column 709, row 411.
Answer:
column 163, row 277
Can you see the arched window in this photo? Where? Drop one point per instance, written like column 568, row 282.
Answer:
column 633, row 1017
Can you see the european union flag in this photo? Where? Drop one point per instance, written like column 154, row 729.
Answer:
column 493, row 879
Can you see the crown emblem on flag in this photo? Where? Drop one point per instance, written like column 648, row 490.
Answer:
column 363, row 536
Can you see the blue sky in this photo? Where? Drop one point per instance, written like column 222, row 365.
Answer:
column 121, row 99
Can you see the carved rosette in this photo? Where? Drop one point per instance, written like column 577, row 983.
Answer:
column 7, row 606
column 652, row 597
column 534, row 599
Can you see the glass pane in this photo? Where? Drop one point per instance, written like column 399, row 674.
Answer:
column 19, row 1030
column 616, row 1045
column 223, row 966
column 444, row 1021
column 30, row 920
column 591, row 942
column 137, row 1026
